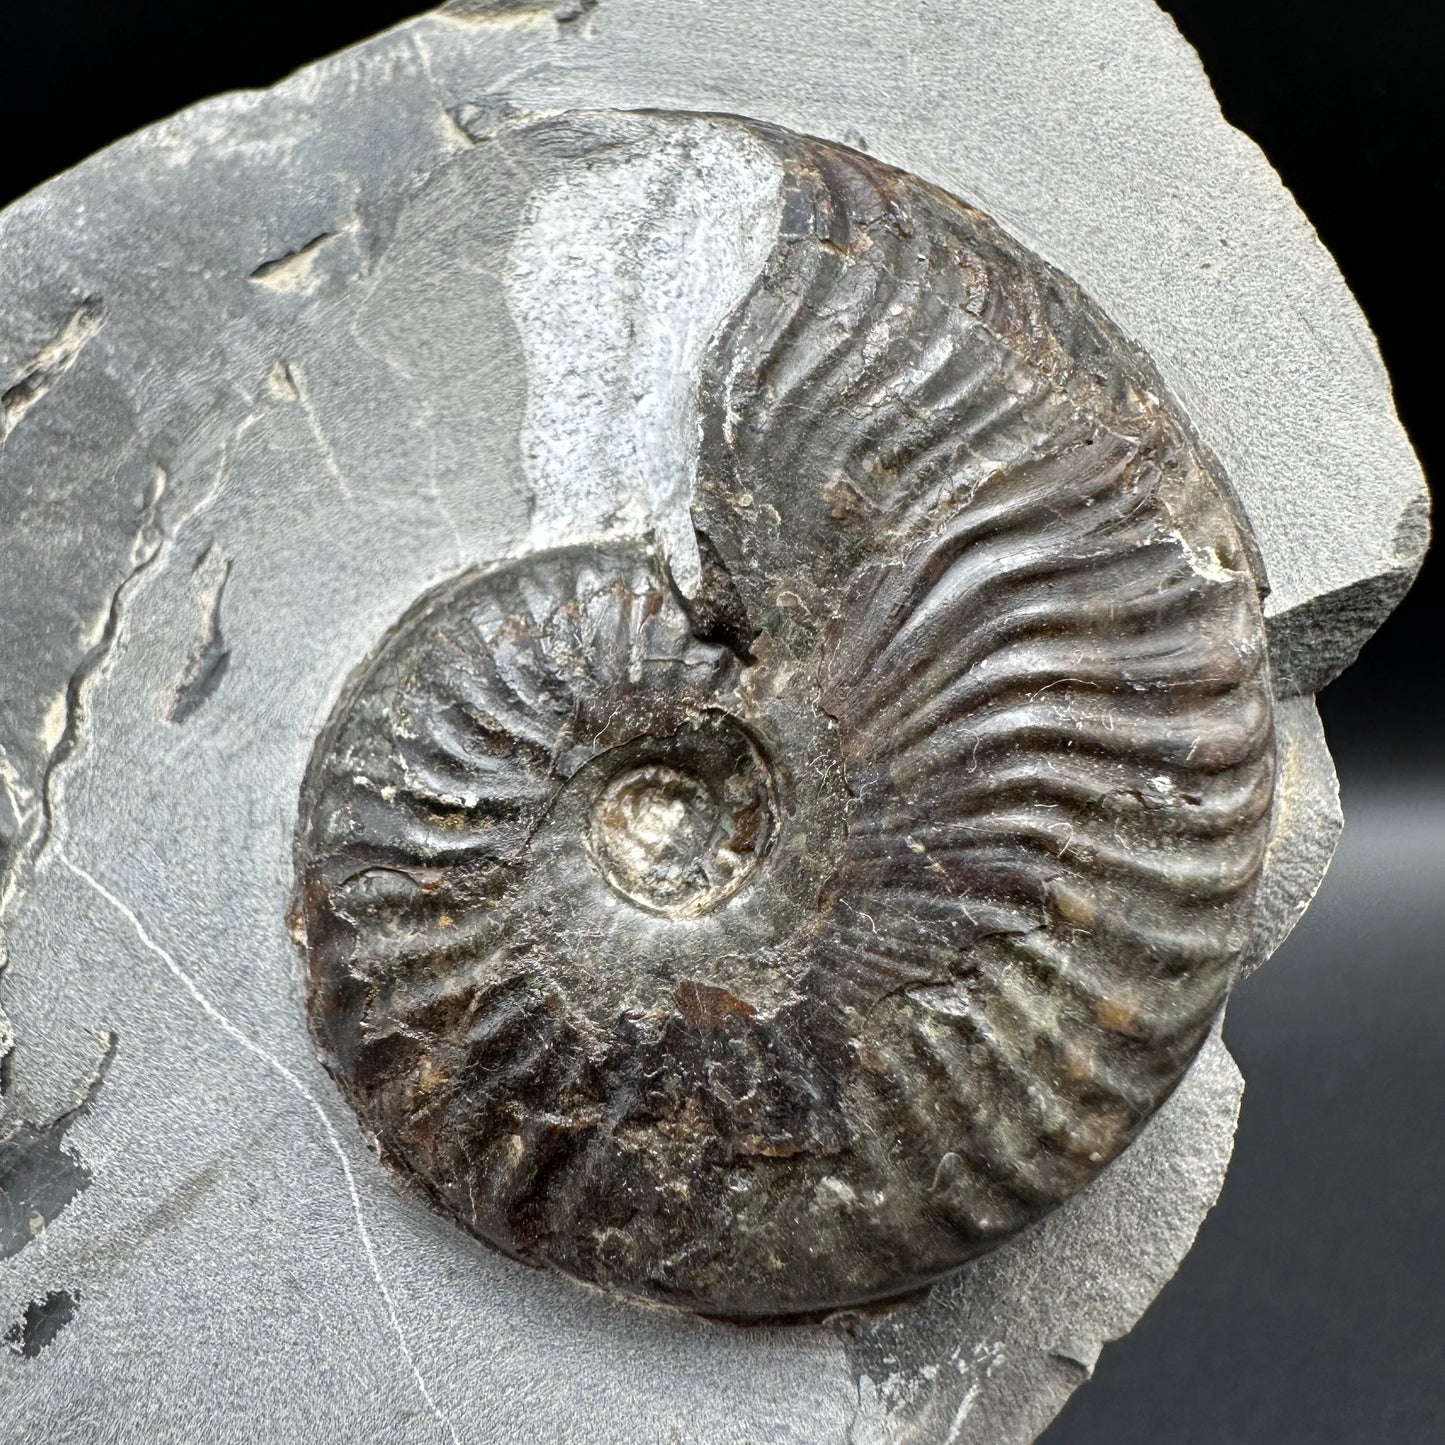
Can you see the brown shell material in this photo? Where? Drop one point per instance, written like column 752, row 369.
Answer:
column 778, row 948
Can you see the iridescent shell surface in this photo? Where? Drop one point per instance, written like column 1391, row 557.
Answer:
column 777, row 939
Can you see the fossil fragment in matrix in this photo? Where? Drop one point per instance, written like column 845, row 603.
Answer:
column 772, row 909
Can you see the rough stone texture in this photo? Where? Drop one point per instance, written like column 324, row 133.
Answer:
column 266, row 375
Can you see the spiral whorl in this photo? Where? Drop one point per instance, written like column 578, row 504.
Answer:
column 780, row 944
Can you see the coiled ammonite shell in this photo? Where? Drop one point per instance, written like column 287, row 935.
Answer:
column 777, row 940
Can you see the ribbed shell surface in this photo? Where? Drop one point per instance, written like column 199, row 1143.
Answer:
column 779, row 946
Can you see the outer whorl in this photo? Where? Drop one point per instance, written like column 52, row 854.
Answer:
column 779, row 947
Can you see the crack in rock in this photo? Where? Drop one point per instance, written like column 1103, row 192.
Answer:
column 50, row 363
column 293, row 1080
column 294, row 271
column 210, row 658
column 150, row 543
column 563, row 12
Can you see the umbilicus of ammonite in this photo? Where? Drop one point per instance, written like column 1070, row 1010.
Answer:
column 777, row 941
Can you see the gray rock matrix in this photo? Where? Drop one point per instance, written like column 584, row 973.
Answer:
column 274, row 368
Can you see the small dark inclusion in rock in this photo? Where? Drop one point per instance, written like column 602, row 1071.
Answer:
column 781, row 947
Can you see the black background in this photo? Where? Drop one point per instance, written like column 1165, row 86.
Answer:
column 1312, row 1309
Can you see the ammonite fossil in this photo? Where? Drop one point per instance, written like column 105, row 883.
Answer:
column 775, row 934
